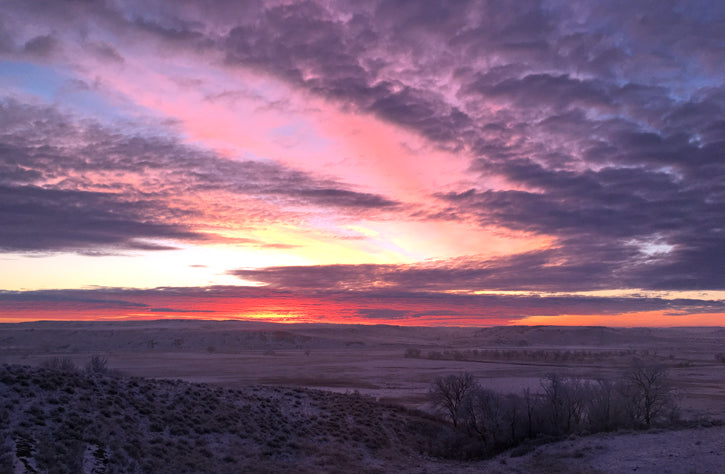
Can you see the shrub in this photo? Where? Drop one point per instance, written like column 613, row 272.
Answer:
column 97, row 365
column 59, row 364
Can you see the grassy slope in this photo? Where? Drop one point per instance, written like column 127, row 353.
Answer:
column 70, row 422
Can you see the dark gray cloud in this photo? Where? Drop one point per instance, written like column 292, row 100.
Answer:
column 43, row 46
column 532, row 271
column 174, row 310
column 402, row 291
column 341, row 198
column 94, row 298
column 594, row 268
column 373, row 305
column 38, row 219
column 105, row 51
column 384, row 313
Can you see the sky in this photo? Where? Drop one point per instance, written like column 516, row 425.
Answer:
column 409, row 162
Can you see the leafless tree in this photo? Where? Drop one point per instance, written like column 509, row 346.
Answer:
column 514, row 416
column 650, row 392
column 482, row 414
column 531, row 402
column 602, row 406
column 564, row 400
column 449, row 392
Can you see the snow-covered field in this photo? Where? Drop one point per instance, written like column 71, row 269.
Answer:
column 394, row 364
column 698, row 450
column 371, row 359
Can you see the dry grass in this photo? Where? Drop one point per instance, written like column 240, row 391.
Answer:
column 57, row 420
column 60, row 420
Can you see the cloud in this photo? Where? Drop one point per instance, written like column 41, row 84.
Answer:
column 598, row 126
column 73, row 185
column 341, row 198
column 93, row 298
column 576, row 266
column 382, row 313
column 598, row 150
column 38, row 219
column 42, row 46
column 371, row 306
column 105, row 51
column 173, row 310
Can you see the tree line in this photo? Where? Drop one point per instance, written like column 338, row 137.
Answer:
column 530, row 355
column 643, row 397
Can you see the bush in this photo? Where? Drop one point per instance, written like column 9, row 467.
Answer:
column 97, row 365
column 59, row 364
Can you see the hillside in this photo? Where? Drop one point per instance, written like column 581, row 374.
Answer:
column 70, row 421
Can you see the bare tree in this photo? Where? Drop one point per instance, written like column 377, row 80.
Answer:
column 601, row 406
column 449, row 392
column 482, row 413
column 530, row 405
column 564, row 399
column 553, row 399
column 514, row 417
column 497, row 419
column 650, row 392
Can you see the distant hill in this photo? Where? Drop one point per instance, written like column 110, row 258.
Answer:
column 68, row 337
column 568, row 335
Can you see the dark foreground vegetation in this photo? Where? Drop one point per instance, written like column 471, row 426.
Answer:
column 59, row 419
column 643, row 397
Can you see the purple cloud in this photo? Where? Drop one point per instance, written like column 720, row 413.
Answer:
column 601, row 125
column 113, row 190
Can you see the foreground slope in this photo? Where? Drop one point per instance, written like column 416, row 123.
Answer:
column 696, row 450
column 69, row 421
column 60, row 421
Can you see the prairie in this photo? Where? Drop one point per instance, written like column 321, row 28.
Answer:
column 380, row 416
column 390, row 363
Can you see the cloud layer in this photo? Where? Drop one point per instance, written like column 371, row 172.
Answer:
column 70, row 185
column 590, row 133
column 362, row 306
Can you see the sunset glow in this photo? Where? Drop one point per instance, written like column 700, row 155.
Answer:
column 468, row 163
